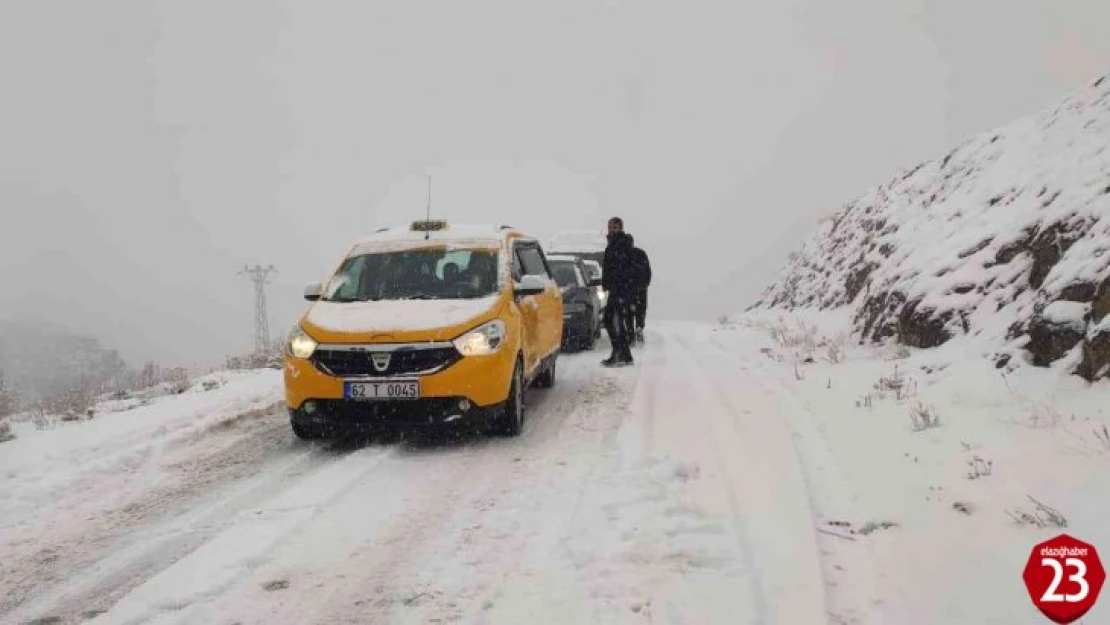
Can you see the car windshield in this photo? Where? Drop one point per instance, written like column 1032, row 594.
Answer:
column 563, row 272
column 435, row 273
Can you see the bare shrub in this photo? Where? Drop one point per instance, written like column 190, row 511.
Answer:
column 901, row 352
column 979, row 468
column 6, row 431
column 835, row 348
column 893, row 382
column 901, row 386
column 1042, row 516
column 923, row 417
column 148, row 376
column 74, row 404
column 1043, row 415
column 177, row 380
column 874, row 526
column 9, row 401
column 1103, row 436
column 269, row 358
column 962, row 506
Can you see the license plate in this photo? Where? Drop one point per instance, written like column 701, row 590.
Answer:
column 394, row 389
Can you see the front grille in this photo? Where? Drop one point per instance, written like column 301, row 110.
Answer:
column 404, row 361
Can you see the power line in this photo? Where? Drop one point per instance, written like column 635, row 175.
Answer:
column 260, row 276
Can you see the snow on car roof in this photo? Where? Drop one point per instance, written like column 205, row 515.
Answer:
column 562, row 257
column 452, row 235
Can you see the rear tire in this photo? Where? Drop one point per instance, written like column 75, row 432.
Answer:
column 510, row 420
column 547, row 378
column 590, row 341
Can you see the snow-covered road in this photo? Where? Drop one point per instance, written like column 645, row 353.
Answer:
column 672, row 491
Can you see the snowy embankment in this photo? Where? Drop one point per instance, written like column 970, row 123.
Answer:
column 948, row 461
column 1005, row 240
column 71, row 492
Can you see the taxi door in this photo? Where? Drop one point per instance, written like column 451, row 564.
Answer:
column 547, row 306
column 528, row 305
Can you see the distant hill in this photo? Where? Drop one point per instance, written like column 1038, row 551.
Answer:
column 39, row 359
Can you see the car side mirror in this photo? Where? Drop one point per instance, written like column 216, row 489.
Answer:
column 530, row 285
column 312, row 291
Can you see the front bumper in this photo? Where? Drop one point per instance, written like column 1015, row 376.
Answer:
column 482, row 380
column 331, row 415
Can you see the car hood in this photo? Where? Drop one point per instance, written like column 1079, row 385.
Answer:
column 398, row 321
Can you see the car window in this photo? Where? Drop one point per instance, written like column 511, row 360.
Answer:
column 565, row 273
column 459, row 258
column 415, row 274
column 345, row 285
column 533, row 261
column 518, row 266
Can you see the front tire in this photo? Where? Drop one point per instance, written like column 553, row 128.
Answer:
column 510, row 421
column 306, row 433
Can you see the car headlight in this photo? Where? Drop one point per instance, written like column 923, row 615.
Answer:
column 485, row 339
column 300, row 344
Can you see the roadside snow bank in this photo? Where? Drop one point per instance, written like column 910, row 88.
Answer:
column 947, row 512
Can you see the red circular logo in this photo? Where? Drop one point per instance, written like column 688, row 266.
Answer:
column 1063, row 577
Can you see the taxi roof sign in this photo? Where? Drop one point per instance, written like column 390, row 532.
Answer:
column 431, row 225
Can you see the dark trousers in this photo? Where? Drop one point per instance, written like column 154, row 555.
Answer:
column 617, row 315
column 639, row 302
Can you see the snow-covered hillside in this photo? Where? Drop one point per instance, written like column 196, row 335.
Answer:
column 1003, row 239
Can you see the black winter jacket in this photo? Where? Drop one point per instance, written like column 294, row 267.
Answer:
column 641, row 269
column 618, row 273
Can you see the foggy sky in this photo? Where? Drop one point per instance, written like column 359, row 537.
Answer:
column 149, row 150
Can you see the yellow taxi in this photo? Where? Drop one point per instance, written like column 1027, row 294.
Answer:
column 430, row 325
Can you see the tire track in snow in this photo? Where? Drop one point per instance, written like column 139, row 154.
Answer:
column 640, row 431
column 493, row 541
column 427, row 498
column 829, row 498
column 740, row 528
column 772, row 439
column 125, row 546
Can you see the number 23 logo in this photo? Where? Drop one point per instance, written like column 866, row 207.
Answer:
column 1080, row 577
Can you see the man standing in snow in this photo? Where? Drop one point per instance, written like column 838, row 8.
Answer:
column 618, row 279
column 641, row 270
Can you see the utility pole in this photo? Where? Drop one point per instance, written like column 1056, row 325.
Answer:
column 260, row 276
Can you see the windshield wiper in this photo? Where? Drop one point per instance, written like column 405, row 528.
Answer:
column 348, row 300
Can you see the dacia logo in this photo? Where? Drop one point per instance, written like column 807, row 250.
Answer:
column 380, row 360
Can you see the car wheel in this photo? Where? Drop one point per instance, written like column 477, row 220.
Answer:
column 306, row 433
column 590, row 341
column 510, row 421
column 547, row 378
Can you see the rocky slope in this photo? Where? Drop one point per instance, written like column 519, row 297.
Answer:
column 1004, row 239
